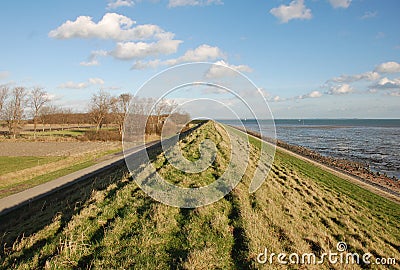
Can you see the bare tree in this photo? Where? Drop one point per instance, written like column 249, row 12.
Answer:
column 14, row 110
column 3, row 96
column 119, row 107
column 162, row 110
column 37, row 99
column 65, row 117
column 45, row 115
column 100, row 106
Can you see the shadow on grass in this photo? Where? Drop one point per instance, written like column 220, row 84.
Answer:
column 67, row 202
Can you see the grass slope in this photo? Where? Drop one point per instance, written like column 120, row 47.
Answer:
column 299, row 208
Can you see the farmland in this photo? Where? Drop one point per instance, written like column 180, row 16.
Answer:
column 299, row 208
column 26, row 164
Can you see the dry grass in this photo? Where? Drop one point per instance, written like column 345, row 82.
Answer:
column 299, row 208
column 18, row 180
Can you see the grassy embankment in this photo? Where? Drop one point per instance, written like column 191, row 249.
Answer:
column 300, row 208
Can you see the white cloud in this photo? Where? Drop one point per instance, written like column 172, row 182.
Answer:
column 181, row 3
column 82, row 85
column 369, row 15
column 132, row 42
column 136, row 50
column 112, row 26
column 295, row 10
column 95, row 81
column 388, row 67
column 340, row 3
column 313, row 94
column 93, row 58
column 386, row 84
column 223, row 69
column 369, row 76
column 120, row 3
column 4, row 75
column 203, row 53
column 277, row 99
column 340, row 89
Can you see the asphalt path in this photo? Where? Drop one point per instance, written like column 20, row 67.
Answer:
column 14, row 201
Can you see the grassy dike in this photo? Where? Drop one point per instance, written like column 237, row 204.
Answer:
column 299, row 208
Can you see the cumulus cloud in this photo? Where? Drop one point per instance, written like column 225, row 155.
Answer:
column 202, row 53
column 340, row 89
column 181, row 3
column 112, row 26
column 369, row 76
column 223, row 69
column 388, row 67
column 4, row 75
column 81, row 85
column 295, row 10
column 137, row 50
column 132, row 41
column 387, row 84
column 313, row 94
column 340, row 3
column 119, row 3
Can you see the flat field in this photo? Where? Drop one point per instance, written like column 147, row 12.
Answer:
column 41, row 149
column 26, row 164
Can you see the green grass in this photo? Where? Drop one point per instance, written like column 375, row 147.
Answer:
column 13, row 164
column 342, row 186
column 18, row 187
column 40, row 179
column 299, row 208
column 57, row 133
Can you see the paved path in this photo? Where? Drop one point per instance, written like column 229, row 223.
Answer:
column 14, row 201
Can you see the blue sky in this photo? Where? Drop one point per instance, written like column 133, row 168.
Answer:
column 310, row 58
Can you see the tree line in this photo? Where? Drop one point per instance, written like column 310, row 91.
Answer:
column 20, row 104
